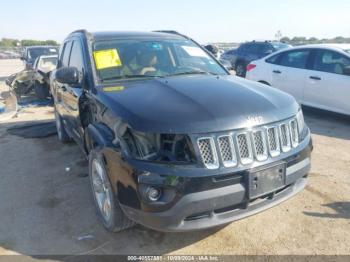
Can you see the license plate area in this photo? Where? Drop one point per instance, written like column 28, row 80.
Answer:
column 266, row 180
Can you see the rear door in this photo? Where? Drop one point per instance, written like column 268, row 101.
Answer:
column 327, row 86
column 59, row 88
column 288, row 72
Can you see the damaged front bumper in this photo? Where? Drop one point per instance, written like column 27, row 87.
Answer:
column 226, row 198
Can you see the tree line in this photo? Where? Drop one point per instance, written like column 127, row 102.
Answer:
column 8, row 42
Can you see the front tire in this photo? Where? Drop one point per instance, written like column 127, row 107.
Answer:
column 107, row 206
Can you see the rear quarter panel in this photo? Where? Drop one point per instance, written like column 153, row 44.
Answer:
column 261, row 73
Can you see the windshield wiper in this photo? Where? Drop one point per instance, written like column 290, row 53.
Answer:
column 126, row 77
column 193, row 73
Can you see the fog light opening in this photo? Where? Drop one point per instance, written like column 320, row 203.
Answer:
column 153, row 193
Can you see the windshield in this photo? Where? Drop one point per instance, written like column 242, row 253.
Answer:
column 33, row 53
column 279, row 46
column 142, row 58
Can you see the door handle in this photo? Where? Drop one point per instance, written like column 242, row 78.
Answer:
column 315, row 77
column 277, row 71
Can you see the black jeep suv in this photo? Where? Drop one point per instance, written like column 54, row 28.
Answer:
column 250, row 51
column 174, row 142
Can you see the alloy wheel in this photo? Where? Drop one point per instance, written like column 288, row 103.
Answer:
column 102, row 191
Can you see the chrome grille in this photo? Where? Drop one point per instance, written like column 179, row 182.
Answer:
column 273, row 141
column 260, row 148
column 208, row 152
column 244, row 148
column 256, row 144
column 228, row 154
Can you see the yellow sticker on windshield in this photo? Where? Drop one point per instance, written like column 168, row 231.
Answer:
column 107, row 58
column 113, row 88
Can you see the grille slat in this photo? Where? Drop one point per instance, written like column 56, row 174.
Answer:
column 285, row 137
column 208, row 152
column 260, row 146
column 228, row 154
column 273, row 141
column 244, row 148
column 257, row 144
column 294, row 132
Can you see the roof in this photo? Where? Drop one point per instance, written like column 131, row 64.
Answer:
column 129, row 34
column 328, row 46
column 41, row 46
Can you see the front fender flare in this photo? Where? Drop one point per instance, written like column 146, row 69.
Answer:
column 100, row 135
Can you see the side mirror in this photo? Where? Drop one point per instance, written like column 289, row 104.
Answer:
column 22, row 58
column 67, row 75
column 346, row 71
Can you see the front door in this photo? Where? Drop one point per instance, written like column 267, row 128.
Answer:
column 327, row 85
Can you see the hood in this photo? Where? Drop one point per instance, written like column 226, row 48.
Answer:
column 196, row 104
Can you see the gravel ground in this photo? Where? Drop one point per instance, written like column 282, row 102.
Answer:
column 45, row 209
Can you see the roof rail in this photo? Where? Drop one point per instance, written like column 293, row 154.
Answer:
column 171, row 32
column 84, row 31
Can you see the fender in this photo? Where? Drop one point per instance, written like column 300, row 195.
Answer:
column 100, row 135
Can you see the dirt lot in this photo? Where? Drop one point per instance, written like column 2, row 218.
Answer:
column 45, row 208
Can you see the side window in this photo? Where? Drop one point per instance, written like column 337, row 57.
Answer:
column 296, row 59
column 76, row 57
column 274, row 59
column 65, row 55
column 331, row 62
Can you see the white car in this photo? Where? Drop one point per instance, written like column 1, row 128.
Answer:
column 316, row 75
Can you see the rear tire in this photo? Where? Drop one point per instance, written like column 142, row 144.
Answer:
column 241, row 70
column 61, row 131
column 107, row 205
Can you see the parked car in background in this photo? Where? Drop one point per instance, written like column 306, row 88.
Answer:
column 250, row 51
column 43, row 66
column 213, row 49
column 316, row 75
column 9, row 54
column 216, row 52
column 33, row 52
column 34, row 79
column 175, row 142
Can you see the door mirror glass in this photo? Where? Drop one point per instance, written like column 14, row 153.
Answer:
column 68, row 75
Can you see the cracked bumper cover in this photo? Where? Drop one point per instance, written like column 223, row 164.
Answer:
column 211, row 201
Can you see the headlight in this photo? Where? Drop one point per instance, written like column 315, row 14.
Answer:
column 300, row 119
column 159, row 147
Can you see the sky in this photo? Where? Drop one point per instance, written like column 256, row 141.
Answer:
column 203, row 20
